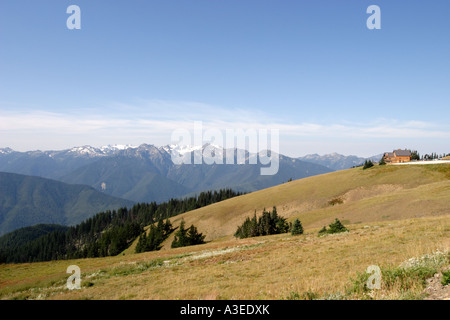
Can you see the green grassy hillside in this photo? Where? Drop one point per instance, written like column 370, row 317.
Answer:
column 28, row 200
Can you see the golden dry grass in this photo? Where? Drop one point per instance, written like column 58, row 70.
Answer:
column 393, row 213
column 377, row 194
column 271, row 267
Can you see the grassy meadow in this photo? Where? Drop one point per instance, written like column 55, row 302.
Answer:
column 393, row 213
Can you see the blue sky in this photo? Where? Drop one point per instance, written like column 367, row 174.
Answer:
column 138, row 70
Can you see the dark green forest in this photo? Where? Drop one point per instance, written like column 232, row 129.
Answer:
column 107, row 233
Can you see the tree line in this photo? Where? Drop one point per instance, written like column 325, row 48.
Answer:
column 433, row 156
column 107, row 233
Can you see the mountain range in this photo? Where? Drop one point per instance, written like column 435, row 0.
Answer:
column 66, row 186
column 146, row 173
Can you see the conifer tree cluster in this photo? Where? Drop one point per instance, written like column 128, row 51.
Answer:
column 187, row 237
column 268, row 223
column 367, row 164
column 334, row 227
column 432, row 156
column 156, row 235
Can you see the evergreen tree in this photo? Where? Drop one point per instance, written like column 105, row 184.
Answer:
column 281, row 225
column 140, row 246
column 297, row 228
column 336, row 227
column 323, row 231
column 268, row 223
column 187, row 237
column 415, row 155
column 194, row 237
column 253, row 227
column 367, row 164
column 180, row 239
column 167, row 227
column 264, row 225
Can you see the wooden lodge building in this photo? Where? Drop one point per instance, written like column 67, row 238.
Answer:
column 397, row 156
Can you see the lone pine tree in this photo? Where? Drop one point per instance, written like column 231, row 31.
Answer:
column 297, row 228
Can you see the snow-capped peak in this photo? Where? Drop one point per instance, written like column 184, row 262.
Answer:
column 6, row 150
column 117, row 147
column 86, row 150
column 181, row 149
column 184, row 149
column 102, row 151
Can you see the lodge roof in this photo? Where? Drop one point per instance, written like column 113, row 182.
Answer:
column 402, row 153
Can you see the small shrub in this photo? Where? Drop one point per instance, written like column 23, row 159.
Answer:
column 309, row 295
column 358, row 286
column 406, row 279
column 293, row 295
column 445, row 277
column 336, row 201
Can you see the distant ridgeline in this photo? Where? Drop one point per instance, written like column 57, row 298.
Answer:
column 105, row 234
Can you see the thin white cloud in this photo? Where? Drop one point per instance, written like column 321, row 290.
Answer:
column 154, row 121
column 371, row 130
